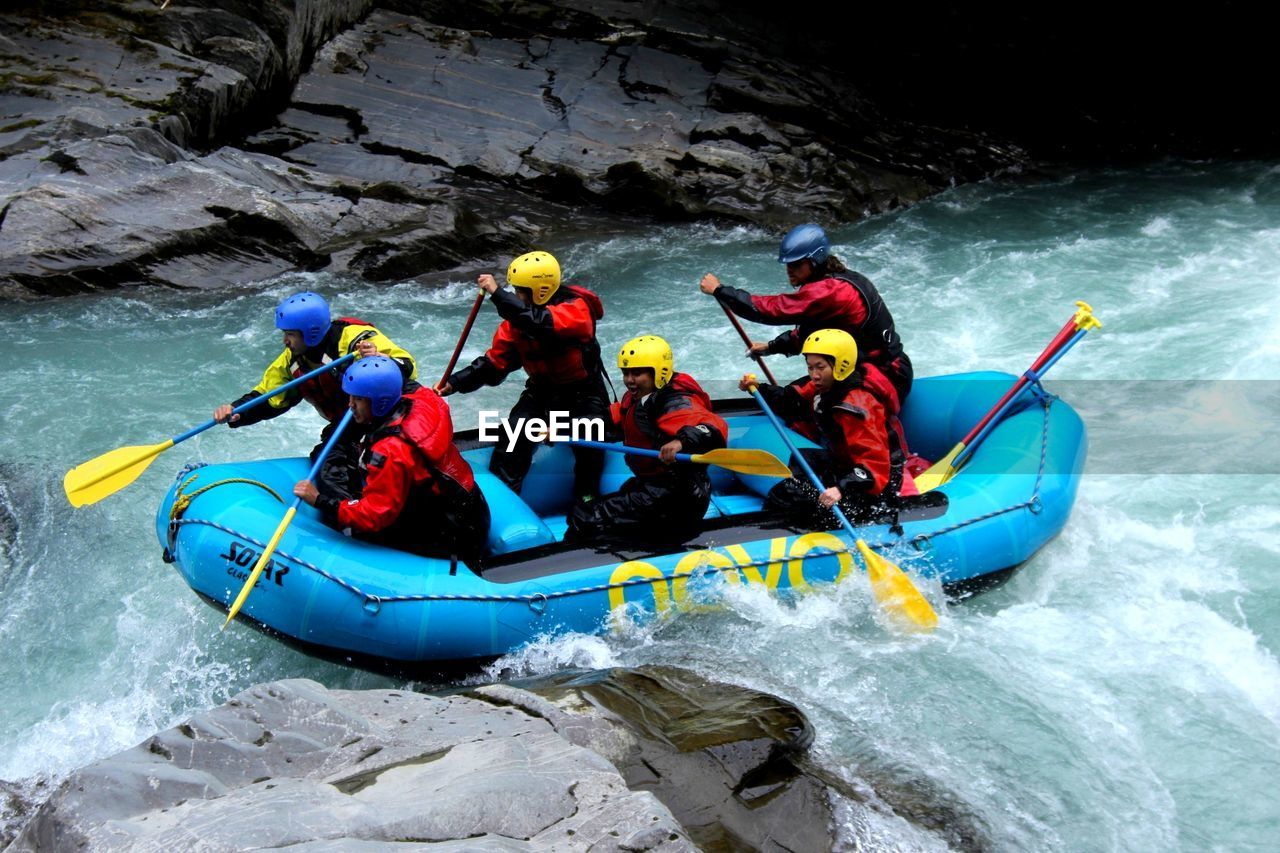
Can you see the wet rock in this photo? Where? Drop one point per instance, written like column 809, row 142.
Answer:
column 653, row 758
column 14, row 809
column 352, row 767
column 663, row 114
column 420, row 138
column 722, row 758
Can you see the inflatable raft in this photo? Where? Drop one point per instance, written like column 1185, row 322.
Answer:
column 348, row 600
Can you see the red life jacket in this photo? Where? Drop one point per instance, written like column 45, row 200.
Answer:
column 849, row 301
column 679, row 403
column 861, row 419
column 325, row 391
column 417, row 440
column 568, row 359
column 422, row 421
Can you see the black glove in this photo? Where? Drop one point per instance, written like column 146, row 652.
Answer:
column 857, row 482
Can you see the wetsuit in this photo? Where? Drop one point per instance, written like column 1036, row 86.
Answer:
column 661, row 502
column 862, row 453
column 415, row 490
column 324, row 392
column 556, row 345
column 844, row 300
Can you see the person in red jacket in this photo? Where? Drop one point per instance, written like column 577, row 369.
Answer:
column 416, row 492
column 828, row 296
column 844, row 408
column 665, row 411
column 550, row 331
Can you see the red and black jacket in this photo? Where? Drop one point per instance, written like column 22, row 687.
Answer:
column 852, row 422
column 410, row 457
column 845, row 300
column 555, row 343
column 680, row 409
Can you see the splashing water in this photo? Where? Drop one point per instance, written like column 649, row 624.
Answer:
column 1122, row 691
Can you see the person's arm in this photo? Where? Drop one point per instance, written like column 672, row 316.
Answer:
column 366, row 341
column 697, row 428
column 491, row 368
column 787, row 343
column 789, row 402
column 827, row 301
column 561, row 321
column 743, row 304
column 386, row 490
column 276, row 374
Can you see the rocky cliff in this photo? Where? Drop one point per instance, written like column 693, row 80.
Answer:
column 196, row 144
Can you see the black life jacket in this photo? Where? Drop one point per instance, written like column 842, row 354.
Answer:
column 876, row 336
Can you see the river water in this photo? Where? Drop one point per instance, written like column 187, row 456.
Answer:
column 1120, row 692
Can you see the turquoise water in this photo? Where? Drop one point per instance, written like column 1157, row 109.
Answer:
column 1121, row 692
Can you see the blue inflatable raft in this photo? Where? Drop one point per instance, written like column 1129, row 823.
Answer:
column 344, row 599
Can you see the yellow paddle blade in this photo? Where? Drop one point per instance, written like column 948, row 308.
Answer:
column 744, row 461
column 92, row 481
column 262, row 562
column 939, row 472
column 898, row 597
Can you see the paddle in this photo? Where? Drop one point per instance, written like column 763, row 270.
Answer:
column 462, row 339
column 744, row 460
column 284, row 524
column 747, row 340
column 946, row 467
column 897, row 596
column 107, row 474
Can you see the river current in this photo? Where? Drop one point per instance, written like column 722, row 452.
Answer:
column 1120, row 692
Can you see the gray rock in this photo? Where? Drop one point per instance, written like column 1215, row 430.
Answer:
column 290, row 763
column 415, row 142
column 653, row 758
column 14, row 810
column 726, row 760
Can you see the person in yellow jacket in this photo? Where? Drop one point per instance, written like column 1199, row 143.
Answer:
column 312, row 338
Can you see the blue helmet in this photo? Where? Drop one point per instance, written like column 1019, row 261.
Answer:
column 378, row 378
column 804, row 241
column 305, row 312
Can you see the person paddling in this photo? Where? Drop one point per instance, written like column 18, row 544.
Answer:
column 844, row 407
column 311, row 339
column 666, row 411
column 550, row 331
column 828, row 296
column 413, row 489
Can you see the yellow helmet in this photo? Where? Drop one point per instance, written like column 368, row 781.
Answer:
column 837, row 345
column 648, row 351
column 537, row 271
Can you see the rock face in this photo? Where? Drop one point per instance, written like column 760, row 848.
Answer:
column 138, row 144
column 650, row 759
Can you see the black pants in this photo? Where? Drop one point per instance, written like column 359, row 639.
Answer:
column 665, row 508
column 452, row 525
column 455, row 524
column 587, row 399
column 797, row 499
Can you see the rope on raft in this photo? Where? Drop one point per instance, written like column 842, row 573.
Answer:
column 373, row 603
